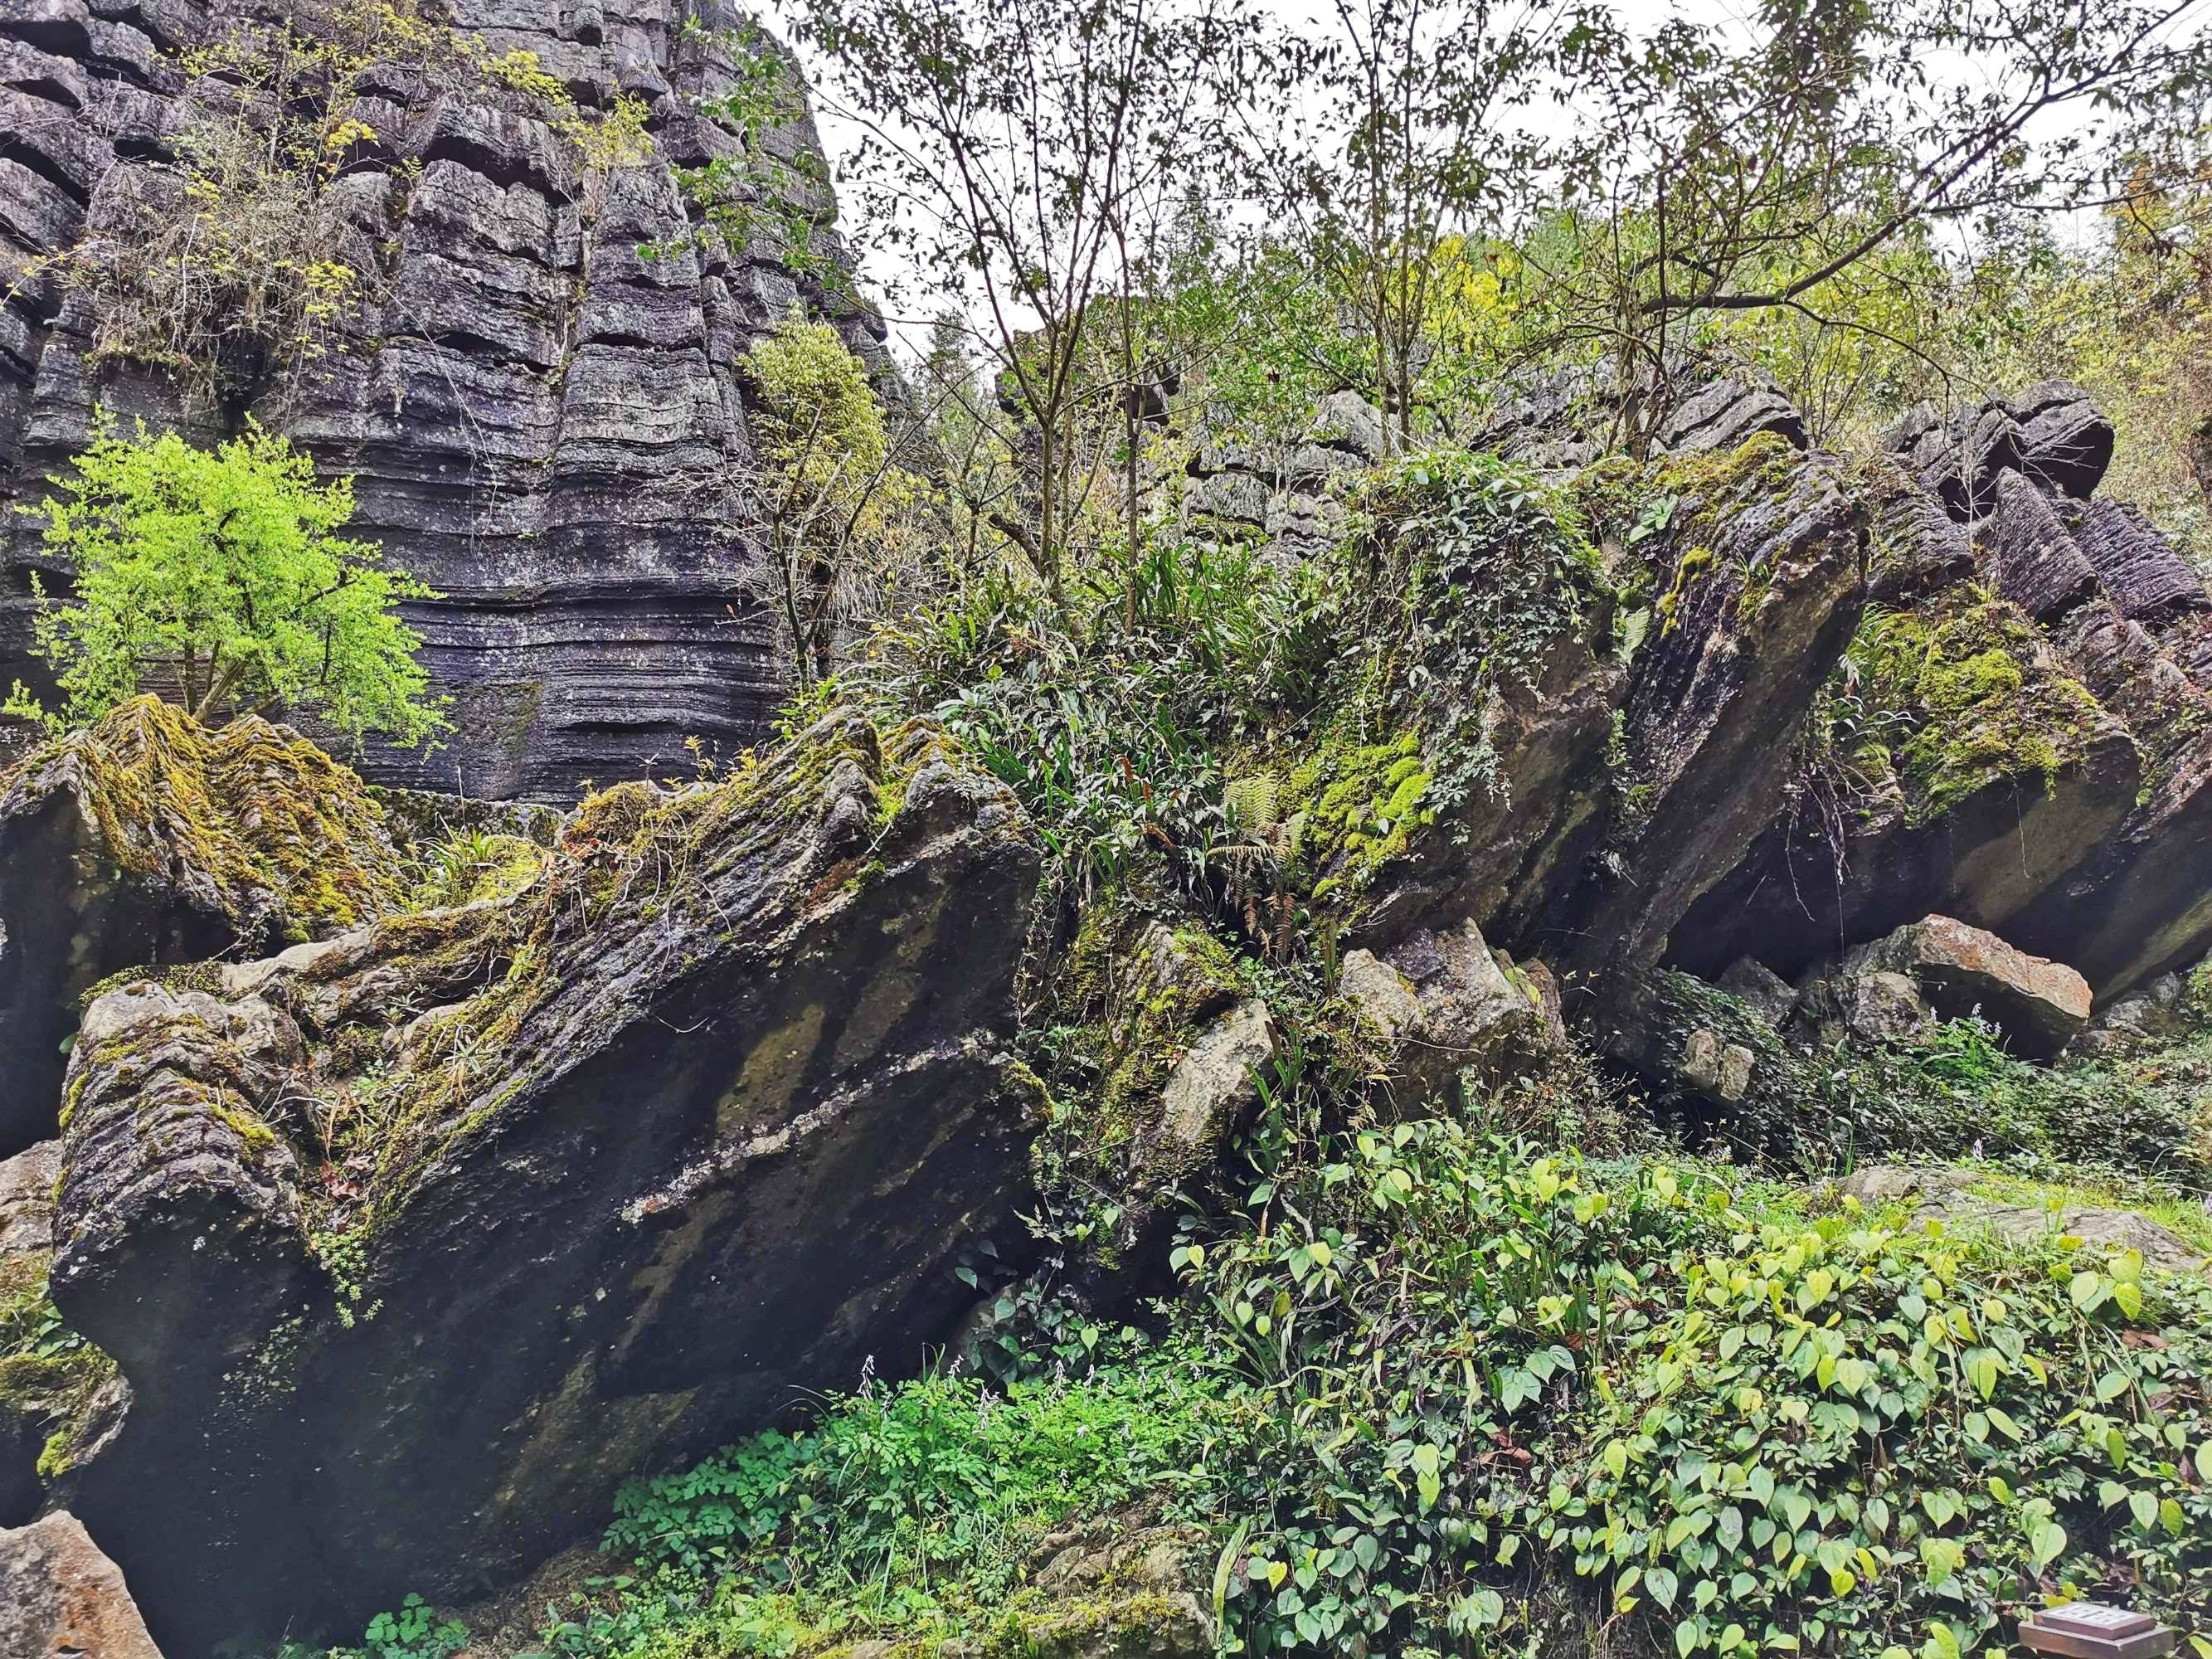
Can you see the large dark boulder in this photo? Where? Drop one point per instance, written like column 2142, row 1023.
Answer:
column 545, row 425
column 2039, row 1005
column 148, row 840
column 413, row 1243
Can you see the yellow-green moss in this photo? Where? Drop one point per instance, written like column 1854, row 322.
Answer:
column 1642, row 513
column 49, row 1377
column 471, row 867
column 1128, row 1626
column 1694, row 564
column 1363, row 802
column 203, row 976
column 632, row 848
column 245, row 814
column 1978, row 703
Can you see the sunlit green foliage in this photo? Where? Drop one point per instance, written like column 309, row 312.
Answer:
column 1436, row 1392
column 838, row 506
column 219, row 576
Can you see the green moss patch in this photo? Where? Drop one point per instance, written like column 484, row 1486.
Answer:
column 1969, row 699
column 49, row 1377
column 252, row 821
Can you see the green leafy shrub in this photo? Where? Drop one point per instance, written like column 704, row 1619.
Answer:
column 221, row 574
column 1852, row 1439
column 415, row 1632
column 839, row 508
column 1437, row 1392
column 1411, row 1308
column 912, row 1508
column 1516, row 1397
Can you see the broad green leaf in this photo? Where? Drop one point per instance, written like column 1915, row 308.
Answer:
column 2046, row 1544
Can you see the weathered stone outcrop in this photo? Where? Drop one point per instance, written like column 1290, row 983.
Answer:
column 1988, row 775
column 60, row 1598
column 1760, row 578
column 1685, row 1034
column 150, row 840
column 2039, row 765
column 1444, row 1007
column 1939, row 965
column 1946, row 1196
column 1569, row 417
column 2039, row 1005
column 2052, row 432
column 415, row 1241
column 1729, row 413
column 544, row 425
column 1286, row 491
column 2154, row 1013
column 1168, row 1038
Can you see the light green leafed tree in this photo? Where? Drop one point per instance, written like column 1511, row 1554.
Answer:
column 218, row 578
column 838, row 506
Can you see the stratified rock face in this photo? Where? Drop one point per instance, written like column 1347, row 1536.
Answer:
column 147, row 840
column 1729, row 413
column 415, row 1242
column 547, row 426
column 2038, row 764
column 60, row 1598
column 2052, row 433
column 1764, row 574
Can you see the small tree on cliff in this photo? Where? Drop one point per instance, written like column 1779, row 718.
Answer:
column 836, row 501
column 218, row 578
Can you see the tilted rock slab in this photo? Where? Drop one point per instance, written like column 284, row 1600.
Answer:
column 150, row 840
column 2026, row 788
column 414, row 1243
column 548, row 427
column 1715, row 692
column 2052, row 432
column 2074, row 818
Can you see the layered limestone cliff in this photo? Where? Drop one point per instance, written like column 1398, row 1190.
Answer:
column 534, row 381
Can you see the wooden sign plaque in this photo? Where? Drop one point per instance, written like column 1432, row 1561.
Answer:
column 2090, row 1630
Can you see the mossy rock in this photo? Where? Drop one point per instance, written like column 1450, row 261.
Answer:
column 747, row 1032
column 1134, row 993
column 149, row 841
column 1976, row 698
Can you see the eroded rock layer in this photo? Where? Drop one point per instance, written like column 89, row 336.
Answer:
column 413, row 1243
column 543, row 423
